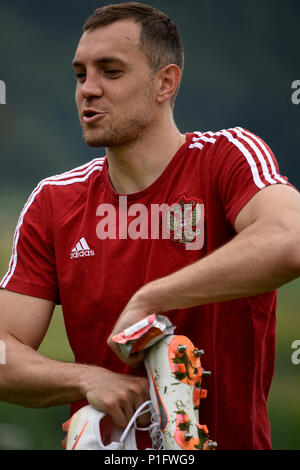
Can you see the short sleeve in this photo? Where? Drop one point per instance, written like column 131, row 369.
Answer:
column 32, row 267
column 243, row 164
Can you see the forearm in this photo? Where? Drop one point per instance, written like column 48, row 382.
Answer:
column 252, row 263
column 32, row 380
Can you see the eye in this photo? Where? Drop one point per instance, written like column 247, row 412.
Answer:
column 80, row 76
column 113, row 73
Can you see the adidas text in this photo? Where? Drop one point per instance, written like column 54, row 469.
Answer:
column 82, row 254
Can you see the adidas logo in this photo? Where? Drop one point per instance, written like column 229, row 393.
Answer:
column 81, row 250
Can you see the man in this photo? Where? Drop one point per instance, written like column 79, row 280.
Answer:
column 217, row 286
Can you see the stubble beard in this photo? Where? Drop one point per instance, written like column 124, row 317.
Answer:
column 125, row 130
column 115, row 135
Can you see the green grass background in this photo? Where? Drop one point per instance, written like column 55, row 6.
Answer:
column 22, row 428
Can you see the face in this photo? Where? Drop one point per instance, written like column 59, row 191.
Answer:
column 115, row 86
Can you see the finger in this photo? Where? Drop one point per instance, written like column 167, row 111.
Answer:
column 119, row 417
column 144, row 419
column 135, row 359
column 128, row 411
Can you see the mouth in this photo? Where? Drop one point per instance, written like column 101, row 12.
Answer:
column 89, row 115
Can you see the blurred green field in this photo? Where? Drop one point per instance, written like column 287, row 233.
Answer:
column 21, row 428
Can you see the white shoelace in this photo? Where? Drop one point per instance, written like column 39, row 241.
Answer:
column 153, row 428
column 155, row 433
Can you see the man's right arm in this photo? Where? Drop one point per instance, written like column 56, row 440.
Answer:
column 32, row 380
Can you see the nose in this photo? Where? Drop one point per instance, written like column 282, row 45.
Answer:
column 91, row 87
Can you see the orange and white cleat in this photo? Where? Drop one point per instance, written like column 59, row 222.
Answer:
column 175, row 375
column 91, row 429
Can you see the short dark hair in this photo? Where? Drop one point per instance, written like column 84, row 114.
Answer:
column 160, row 39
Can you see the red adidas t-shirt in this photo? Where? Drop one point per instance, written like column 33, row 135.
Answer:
column 58, row 255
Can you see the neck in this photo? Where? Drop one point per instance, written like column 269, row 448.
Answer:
column 137, row 165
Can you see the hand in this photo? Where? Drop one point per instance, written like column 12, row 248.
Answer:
column 134, row 312
column 117, row 395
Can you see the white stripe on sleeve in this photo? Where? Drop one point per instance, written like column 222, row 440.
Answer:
column 247, row 155
column 269, row 157
column 52, row 182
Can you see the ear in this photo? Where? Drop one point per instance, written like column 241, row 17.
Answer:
column 169, row 78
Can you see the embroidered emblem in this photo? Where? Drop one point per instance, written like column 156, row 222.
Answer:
column 185, row 222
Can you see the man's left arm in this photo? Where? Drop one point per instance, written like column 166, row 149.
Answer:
column 264, row 255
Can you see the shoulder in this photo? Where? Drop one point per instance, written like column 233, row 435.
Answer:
column 76, row 175
column 235, row 146
column 63, row 187
column 70, row 179
column 236, row 136
column 239, row 152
